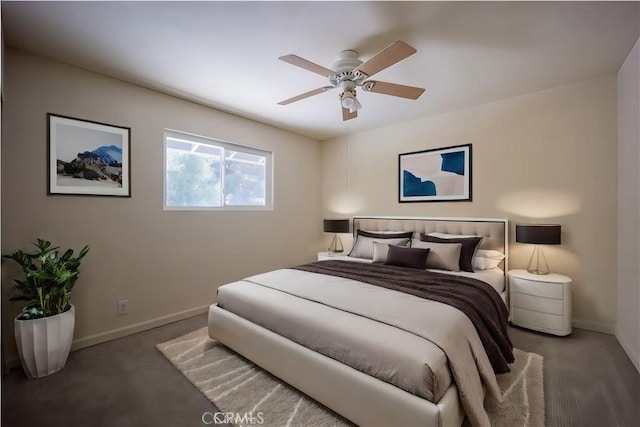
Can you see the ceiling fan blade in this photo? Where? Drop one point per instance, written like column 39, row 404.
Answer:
column 305, row 95
column 395, row 52
column 347, row 115
column 307, row 65
column 392, row 89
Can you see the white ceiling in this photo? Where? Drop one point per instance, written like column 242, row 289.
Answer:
column 224, row 54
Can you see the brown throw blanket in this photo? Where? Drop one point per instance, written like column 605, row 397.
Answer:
column 475, row 298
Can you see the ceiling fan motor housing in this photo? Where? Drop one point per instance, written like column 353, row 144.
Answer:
column 346, row 76
column 346, row 79
column 347, row 61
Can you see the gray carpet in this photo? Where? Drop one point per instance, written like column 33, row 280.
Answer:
column 238, row 386
column 588, row 381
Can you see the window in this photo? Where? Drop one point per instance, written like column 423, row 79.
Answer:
column 203, row 173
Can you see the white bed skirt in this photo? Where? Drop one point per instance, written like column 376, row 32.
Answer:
column 362, row 399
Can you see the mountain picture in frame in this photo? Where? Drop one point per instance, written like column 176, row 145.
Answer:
column 88, row 158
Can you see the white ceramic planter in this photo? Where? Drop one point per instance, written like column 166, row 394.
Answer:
column 44, row 344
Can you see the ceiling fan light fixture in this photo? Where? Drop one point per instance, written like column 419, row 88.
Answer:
column 349, row 101
column 356, row 106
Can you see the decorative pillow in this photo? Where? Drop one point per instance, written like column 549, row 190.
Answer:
column 386, row 234
column 363, row 246
column 376, row 232
column 442, row 256
column 481, row 263
column 407, row 257
column 486, row 259
column 380, row 251
column 467, row 252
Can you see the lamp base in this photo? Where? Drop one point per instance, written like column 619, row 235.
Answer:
column 336, row 245
column 538, row 272
column 538, row 263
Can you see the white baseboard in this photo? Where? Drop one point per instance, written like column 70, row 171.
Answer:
column 124, row 331
column 590, row 325
column 631, row 352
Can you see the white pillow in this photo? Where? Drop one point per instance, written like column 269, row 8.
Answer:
column 491, row 254
column 442, row 256
column 486, row 259
column 480, row 263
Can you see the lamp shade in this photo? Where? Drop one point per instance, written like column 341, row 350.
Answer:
column 538, row 234
column 336, row 225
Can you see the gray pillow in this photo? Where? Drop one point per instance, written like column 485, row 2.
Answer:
column 442, row 256
column 380, row 251
column 363, row 246
column 468, row 251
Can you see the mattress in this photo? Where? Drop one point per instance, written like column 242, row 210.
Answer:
column 380, row 352
column 386, row 352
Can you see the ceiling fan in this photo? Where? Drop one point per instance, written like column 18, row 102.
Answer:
column 350, row 73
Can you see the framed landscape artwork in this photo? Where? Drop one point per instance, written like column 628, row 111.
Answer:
column 88, row 158
column 438, row 175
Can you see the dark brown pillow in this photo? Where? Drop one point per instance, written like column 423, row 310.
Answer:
column 401, row 235
column 407, row 257
column 467, row 252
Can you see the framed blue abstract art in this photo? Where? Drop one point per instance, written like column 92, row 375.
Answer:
column 438, row 175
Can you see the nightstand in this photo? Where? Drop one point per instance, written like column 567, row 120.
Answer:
column 541, row 302
column 324, row 256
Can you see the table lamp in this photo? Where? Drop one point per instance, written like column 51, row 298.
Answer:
column 538, row 234
column 336, row 226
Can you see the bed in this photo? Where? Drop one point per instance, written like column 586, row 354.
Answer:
column 363, row 360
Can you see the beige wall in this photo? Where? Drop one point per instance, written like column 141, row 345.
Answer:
column 628, row 324
column 167, row 264
column 548, row 156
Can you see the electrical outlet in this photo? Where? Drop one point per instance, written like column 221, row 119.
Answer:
column 123, row 307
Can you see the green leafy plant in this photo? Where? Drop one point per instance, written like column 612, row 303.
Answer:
column 48, row 279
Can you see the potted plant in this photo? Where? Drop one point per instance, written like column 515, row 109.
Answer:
column 44, row 328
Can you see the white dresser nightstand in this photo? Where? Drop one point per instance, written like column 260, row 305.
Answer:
column 324, row 256
column 541, row 302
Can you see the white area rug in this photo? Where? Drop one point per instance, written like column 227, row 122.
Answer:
column 236, row 385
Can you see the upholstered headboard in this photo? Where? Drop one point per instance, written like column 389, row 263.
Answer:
column 493, row 230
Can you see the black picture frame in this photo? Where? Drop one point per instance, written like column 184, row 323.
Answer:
column 87, row 158
column 435, row 175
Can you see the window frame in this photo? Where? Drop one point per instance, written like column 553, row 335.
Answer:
column 225, row 145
